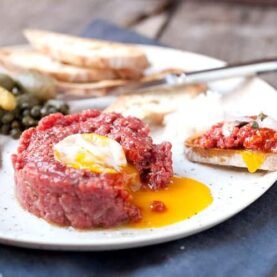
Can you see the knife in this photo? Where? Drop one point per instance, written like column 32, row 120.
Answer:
column 245, row 69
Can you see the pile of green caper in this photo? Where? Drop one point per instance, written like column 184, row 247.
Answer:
column 33, row 93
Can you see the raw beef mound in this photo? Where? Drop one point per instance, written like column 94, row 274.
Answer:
column 80, row 198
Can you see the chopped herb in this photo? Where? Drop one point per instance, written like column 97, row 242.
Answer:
column 242, row 123
column 262, row 116
column 255, row 125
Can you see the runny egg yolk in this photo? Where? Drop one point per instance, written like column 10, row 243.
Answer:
column 183, row 198
column 253, row 160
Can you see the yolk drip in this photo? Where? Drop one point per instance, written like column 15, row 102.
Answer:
column 183, row 198
column 252, row 160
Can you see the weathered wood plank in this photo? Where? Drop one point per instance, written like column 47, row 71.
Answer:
column 64, row 15
column 231, row 32
column 151, row 27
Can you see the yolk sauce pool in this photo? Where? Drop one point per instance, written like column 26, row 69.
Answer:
column 183, row 198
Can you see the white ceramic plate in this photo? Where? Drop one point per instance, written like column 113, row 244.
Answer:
column 232, row 190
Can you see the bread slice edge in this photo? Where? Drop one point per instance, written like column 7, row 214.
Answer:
column 52, row 44
column 227, row 157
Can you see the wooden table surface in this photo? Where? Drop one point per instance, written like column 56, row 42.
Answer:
column 229, row 31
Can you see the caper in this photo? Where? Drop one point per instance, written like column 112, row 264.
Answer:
column 35, row 123
column 44, row 111
column 2, row 112
column 64, row 109
column 25, row 105
column 17, row 113
column 38, row 85
column 7, row 118
column 15, row 133
column 35, row 111
column 6, row 82
column 51, row 109
column 26, row 112
column 26, row 101
column 28, row 121
column 15, row 124
column 5, row 129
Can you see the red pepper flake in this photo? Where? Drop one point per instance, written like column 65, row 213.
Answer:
column 158, row 207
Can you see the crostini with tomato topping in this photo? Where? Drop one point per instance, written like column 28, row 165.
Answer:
column 249, row 142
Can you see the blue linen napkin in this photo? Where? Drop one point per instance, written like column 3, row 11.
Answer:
column 245, row 245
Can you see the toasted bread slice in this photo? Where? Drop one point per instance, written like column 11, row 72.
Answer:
column 153, row 105
column 253, row 160
column 22, row 59
column 82, row 90
column 19, row 60
column 89, row 53
column 104, row 87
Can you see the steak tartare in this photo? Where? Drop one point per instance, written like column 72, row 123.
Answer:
column 79, row 197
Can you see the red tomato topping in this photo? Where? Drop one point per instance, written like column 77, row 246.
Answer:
column 245, row 137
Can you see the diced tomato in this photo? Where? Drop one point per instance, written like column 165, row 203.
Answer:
column 158, row 206
column 245, row 137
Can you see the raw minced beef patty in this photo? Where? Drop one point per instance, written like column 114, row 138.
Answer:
column 81, row 198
